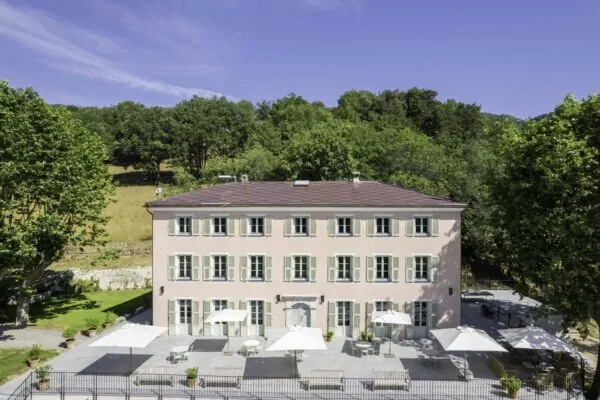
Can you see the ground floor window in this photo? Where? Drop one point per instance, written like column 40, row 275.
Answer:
column 257, row 312
column 344, row 313
column 185, row 311
column 420, row 313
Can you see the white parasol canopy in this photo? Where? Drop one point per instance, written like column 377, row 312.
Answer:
column 227, row 315
column 535, row 338
column 300, row 338
column 391, row 317
column 130, row 335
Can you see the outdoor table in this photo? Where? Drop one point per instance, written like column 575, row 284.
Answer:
column 251, row 345
column 363, row 345
column 178, row 353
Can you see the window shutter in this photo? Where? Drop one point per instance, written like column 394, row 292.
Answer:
column 409, row 226
column 171, row 225
column 195, row 317
column 206, row 272
column 172, row 323
column 312, row 269
column 370, row 269
column 196, row 268
column 287, row 266
column 370, row 227
column 356, row 227
column 231, row 268
column 331, row 322
column 268, row 317
column 395, row 269
column 206, row 227
column 395, row 227
column 231, row 325
column 171, row 268
column 395, row 306
column 230, row 227
column 356, row 269
column 356, row 320
column 268, row 268
column 410, row 271
column 206, row 309
column 196, row 226
column 244, row 226
column 368, row 315
column 433, row 315
column 287, row 227
column 331, row 269
column 243, row 268
column 312, row 226
column 435, row 226
column 408, row 308
column 331, row 227
column 434, row 262
column 244, row 324
column 268, row 226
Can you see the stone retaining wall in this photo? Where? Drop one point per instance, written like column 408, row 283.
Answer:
column 116, row 278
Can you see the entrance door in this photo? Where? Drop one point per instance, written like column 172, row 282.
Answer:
column 300, row 315
column 256, row 325
column 382, row 330
column 219, row 328
column 420, row 318
column 184, row 323
column 344, row 318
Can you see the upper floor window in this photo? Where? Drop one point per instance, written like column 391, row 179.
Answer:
column 257, row 267
column 219, row 267
column 184, row 225
column 422, row 226
column 256, row 225
column 344, row 226
column 421, row 268
column 219, row 225
column 382, row 268
column 300, row 225
column 383, row 226
column 300, row 268
column 184, row 267
column 344, row 268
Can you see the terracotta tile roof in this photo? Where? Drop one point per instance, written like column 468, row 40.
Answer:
column 323, row 193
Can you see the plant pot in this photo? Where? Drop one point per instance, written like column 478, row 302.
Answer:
column 43, row 385
column 33, row 363
column 91, row 332
column 512, row 393
column 69, row 343
column 191, row 382
column 105, row 325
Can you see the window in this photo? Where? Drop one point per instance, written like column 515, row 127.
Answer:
column 382, row 226
column 257, row 267
column 382, row 268
column 344, row 313
column 220, row 226
column 344, row 268
column 422, row 268
column 256, row 225
column 257, row 313
column 184, row 267
column 300, row 226
column 185, row 311
column 219, row 305
column 301, row 267
column 421, row 226
column 420, row 313
column 344, row 226
column 382, row 306
column 184, row 226
column 220, row 267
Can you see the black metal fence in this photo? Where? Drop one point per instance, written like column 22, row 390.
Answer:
column 244, row 387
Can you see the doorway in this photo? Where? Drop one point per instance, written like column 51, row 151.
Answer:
column 256, row 326
column 343, row 319
column 219, row 328
column 300, row 315
column 184, row 323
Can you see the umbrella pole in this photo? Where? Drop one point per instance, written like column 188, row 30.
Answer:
column 296, row 363
column 131, row 360
column 390, row 352
column 465, row 367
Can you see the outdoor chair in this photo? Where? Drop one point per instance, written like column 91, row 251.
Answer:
column 544, row 381
column 566, row 380
column 356, row 352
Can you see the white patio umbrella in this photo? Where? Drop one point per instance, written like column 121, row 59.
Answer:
column 227, row 315
column 390, row 318
column 130, row 335
column 299, row 338
column 535, row 338
column 466, row 339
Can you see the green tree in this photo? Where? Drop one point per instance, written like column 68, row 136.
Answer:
column 54, row 185
column 256, row 162
column 548, row 206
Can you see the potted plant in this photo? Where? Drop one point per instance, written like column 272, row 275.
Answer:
column 92, row 326
column 33, row 355
column 513, row 384
column 363, row 335
column 69, row 335
column 43, row 377
column 328, row 336
column 503, row 380
column 192, row 376
column 370, row 337
column 109, row 319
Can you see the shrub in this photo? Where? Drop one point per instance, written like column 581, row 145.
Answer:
column 69, row 333
column 87, row 286
column 110, row 318
column 43, row 373
column 192, row 373
column 35, row 352
column 92, row 324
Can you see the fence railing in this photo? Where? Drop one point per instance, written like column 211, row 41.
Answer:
column 244, row 387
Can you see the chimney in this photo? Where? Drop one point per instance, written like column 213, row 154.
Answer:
column 355, row 176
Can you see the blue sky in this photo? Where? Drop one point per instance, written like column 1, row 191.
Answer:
column 513, row 57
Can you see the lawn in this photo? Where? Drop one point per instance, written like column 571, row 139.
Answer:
column 14, row 361
column 128, row 219
column 72, row 311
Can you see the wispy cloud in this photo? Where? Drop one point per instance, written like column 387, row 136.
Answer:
column 356, row 5
column 70, row 48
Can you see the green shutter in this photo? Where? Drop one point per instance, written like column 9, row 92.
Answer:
column 370, row 226
column 368, row 316
column 409, row 226
column 196, row 268
column 243, row 268
column 433, row 315
column 331, row 269
column 435, row 226
column 196, row 226
column 312, row 226
column 410, row 270
column 206, row 309
column 395, row 227
column 395, row 269
column 171, row 268
column 356, row 269
column 356, row 227
column 331, row 227
column 206, row 227
column 268, row 226
column 331, row 322
column 206, row 268
column 287, row 227
column 268, row 268
column 395, row 306
column 312, row 269
column 434, row 274
column 244, row 226
column 370, row 269
column 287, row 266
column 268, row 317
column 356, row 320
column 230, row 226
column 231, row 325
column 195, row 317
column 231, row 268
column 171, row 226
column 244, row 324
column 172, row 317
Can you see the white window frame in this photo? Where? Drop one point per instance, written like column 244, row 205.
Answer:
column 212, row 266
column 390, row 258
column 336, row 301
column 177, row 270
column 336, row 256
column 177, row 225
column 307, row 217
column 307, row 256
column 389, row 217
column 178, row 305
column 249, row 224
column 427, row 313
column 428, row 257
column 212, row 225
column 414, row 218
column 249, row 309
column 249, row 267
column 337, row 224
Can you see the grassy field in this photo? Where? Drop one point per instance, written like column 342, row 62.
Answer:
column 14, row 361
column 128, row 219
column 72, row 311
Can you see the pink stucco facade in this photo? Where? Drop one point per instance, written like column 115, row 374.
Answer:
column 320, row 296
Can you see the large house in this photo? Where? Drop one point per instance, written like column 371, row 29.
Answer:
column 320, row 254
